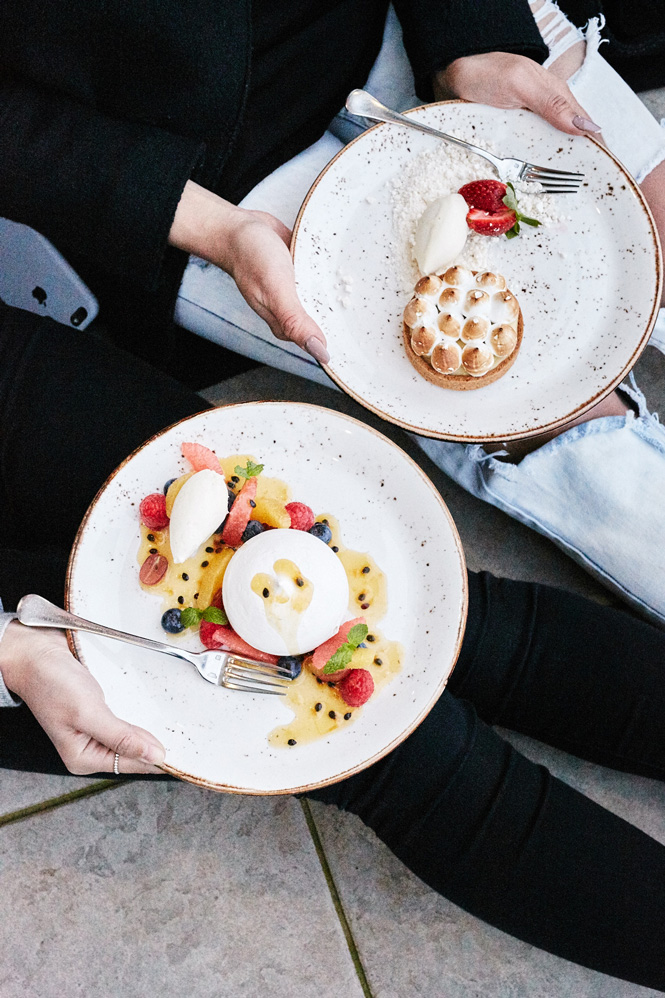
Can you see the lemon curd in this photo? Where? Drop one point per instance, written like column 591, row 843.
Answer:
column 318, row 708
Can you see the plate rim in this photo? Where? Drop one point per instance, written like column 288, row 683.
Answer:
column 75, row 645
column 553, row 424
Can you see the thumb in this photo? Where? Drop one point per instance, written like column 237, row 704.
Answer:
column 138, row 749
column 288, row 320
column 552, row 100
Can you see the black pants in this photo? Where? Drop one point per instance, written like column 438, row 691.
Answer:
column 467, row 813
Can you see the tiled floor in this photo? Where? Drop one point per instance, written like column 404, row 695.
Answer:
column 159, row 889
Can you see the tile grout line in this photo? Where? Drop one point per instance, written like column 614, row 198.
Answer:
column 336, row 899
column 53, row 802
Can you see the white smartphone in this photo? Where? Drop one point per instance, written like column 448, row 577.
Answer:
column 36, row 277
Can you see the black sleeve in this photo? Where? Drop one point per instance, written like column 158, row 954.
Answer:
column 436, row 32
column 98, row 187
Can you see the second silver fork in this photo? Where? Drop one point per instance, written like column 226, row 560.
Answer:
column 221, row 668
column 362, row 104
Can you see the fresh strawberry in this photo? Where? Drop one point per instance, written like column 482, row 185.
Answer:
column 239, row 514
column 217, row 599
column 487, row 195
column 325, row 651
column 215, row 636
column 491, row 223
column 153, row 511
column 356, row 688
column 201, row 457
column 302, row 517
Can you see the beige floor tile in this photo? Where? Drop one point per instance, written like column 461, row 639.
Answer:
column 166, row 890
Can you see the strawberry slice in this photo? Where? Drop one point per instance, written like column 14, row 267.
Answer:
column 215, row 636
column 487, row 195
column 201, row 458
column 325, row 651
column 239, row 515
column 490, row 223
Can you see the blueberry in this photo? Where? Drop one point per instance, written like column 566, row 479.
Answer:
column 322, row 531
column 167, row 485
column 293, row 663
column 171, row 621
column 252, row 529
column 232, row 496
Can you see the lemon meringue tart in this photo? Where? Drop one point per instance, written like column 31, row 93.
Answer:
column 462, row 329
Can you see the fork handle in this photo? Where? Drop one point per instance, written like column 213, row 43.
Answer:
column 35, row 611
column 362, row 104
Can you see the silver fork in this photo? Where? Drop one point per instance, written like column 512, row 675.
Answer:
column 218, row 667
column 363, row 105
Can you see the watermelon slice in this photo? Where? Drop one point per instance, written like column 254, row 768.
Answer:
column 239, row 514
column 201, row 458
column 325, row 651
column 216, row 636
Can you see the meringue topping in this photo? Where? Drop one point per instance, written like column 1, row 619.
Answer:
column 463, row 323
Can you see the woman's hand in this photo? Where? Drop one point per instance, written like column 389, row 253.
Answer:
column 253, row 247
column 38, row 667
column 504, row 80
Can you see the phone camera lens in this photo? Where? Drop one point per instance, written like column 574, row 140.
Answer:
column 79, row 316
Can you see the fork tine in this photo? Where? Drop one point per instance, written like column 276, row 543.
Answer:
column 275, row 671
column 559, row 190
column 265, row 668
column 560, row 181
column 548, row 170
column 246, row 688
column 248, row 675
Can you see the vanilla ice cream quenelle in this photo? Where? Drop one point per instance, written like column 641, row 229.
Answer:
column 441, row 233
column 285, row 592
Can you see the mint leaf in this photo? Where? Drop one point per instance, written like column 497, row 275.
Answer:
column 339, row 660
column 250, row 470
column 510, row 201
column 213, row 615
column 510, row 198
column 190, row 616
column 357, row 634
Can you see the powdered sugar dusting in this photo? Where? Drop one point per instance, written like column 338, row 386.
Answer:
column 442, row 171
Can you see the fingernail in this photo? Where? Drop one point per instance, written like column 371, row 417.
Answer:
column 315, row 347
column 585, row 124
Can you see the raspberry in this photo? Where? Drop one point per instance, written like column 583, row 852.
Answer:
column 302, row 517
column 356, row 688
column 153, row 511
column 201, row 457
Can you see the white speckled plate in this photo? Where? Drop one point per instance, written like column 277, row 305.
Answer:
column 385, row 505
column 589, row 290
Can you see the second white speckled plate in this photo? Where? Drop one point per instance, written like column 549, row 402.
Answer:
column 589, row 290
column 385, row 505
